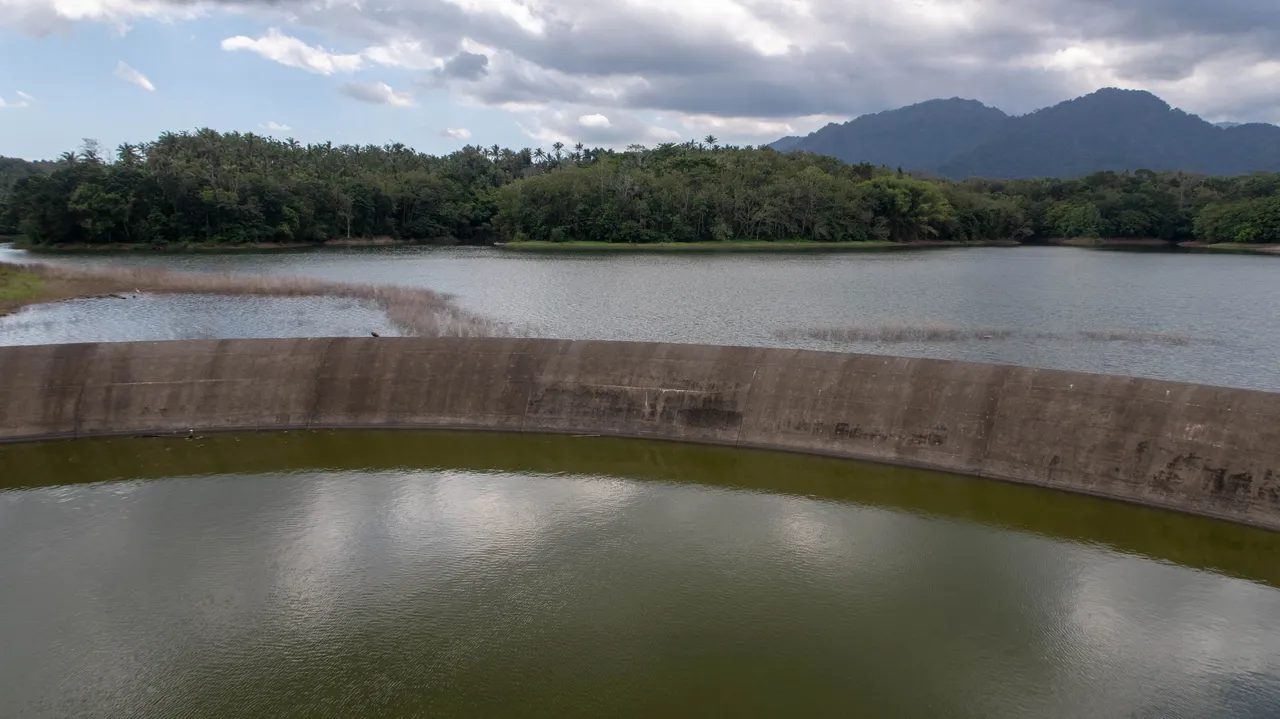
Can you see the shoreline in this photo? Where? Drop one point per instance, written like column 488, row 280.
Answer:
column 1237, row 247
column 589, row 246
column 19, row 243
column 713, row 247
column 21, row 288
column 1112, row 242
column 1120, row 243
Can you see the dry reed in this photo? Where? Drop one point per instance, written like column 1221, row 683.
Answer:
column 895, row 333
column 1136, row 336
column 414, row 311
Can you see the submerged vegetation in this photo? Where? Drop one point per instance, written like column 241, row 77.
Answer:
column 414, row 311
column 208, row 189
column 901, row 333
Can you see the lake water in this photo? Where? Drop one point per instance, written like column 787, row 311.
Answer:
column 441, row 574
column 1182, row 316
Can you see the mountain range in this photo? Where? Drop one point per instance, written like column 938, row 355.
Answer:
column 1109, row 129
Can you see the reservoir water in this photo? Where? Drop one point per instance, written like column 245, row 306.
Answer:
column 1180, row 316
column 436, row 574
column 439, row 574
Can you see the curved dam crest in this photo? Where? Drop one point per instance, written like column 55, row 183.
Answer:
column 1205, row 450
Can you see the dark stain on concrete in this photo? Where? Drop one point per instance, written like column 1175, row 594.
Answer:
column 1222, row 482
column 659, row 405
column 934, row 438
column 1169, row 479
column 1269, row 489
column 711, row 417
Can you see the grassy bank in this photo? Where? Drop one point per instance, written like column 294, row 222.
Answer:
column 414, row 311
column 18, row 288
column 797, row 246
column 22, row 285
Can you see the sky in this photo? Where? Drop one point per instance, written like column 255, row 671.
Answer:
column 439, row 74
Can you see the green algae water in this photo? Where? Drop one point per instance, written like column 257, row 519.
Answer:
column 410, row 574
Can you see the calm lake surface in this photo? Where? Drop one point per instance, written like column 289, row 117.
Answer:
column 441, row 574
column 1182, row 316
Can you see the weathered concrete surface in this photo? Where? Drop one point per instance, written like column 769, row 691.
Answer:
column 1205, row 450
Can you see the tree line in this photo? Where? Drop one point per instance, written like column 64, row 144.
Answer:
column 208, row 187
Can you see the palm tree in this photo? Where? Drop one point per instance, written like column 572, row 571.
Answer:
column 127, row 154
column 90, row 151
column 713, row 141
column 69, row 158
column 558, row 146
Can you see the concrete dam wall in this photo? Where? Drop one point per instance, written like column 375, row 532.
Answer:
column 1206, row 450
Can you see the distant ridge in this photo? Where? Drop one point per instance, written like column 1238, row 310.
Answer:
column 1110, row 129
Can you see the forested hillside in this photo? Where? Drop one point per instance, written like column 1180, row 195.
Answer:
column 1110, row 129
column 916, row 137
column 212, row 188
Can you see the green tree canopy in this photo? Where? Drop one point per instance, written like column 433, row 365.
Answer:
column 210, row 187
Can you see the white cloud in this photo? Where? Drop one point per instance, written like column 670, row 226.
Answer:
column 618, row 131
column 41, row 17
column 274, row 126
column 755, row 127
column 459, row 133
column 404, row 53
column 24, row 100
column 276, row 46
column 293, row 52
column 512, row 10
column 128, row 74
column 378, row 93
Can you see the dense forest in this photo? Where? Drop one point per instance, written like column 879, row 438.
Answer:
column 12, row 170
column 213, row 188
